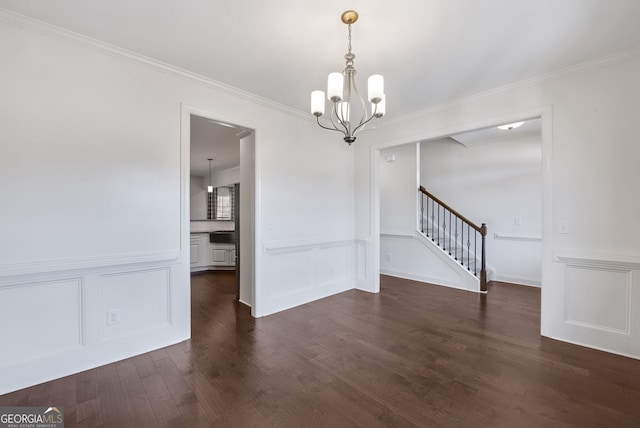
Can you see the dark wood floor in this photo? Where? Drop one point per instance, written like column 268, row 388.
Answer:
column 413, row 355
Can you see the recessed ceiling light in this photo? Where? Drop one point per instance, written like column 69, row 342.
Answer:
column 510, row 126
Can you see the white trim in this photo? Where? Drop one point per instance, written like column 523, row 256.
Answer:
column 305, row 244
column 244, row 303
column 517, row 237
column 451, row 262
column 374, row 216
column 42, row 266
column 62, row 34
column 364, row 240
column 185, row 144
column 398, row 235
column 430, row 280
column 544, row 112
column 597, row 259
column 591, row 346
column 517, row 280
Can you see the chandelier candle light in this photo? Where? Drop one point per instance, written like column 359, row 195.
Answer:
column 339, row 91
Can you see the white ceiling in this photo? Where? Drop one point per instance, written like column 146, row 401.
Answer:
column 430, row 51
column 211, row 139
column 530, row 129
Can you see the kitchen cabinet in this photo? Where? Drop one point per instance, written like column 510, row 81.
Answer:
column 222, row 254
column 210, row 256
column 196, row 249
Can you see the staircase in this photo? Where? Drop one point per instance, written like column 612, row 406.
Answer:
column 457, row 236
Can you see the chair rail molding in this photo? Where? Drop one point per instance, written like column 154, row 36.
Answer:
column 597, row 259
column 42, row 266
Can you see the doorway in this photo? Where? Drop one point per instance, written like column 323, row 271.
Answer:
column 218, row 202
column 378, row 155
column 494, row 175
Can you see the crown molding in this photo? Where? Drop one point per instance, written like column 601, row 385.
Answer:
column 59, row 33
column 572, row 70
column 62, row 34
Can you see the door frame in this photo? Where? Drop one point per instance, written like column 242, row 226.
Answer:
column 545, row 113
column 248, row 282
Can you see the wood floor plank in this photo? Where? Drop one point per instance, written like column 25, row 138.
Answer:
column 140, row 412
column 164, row 408
column 89, row 414
column 113, row 401
column 414, row 355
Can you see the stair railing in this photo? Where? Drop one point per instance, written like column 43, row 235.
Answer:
column 449, row 229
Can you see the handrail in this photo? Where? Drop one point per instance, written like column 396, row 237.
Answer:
column 445, row 234
column 481, row 229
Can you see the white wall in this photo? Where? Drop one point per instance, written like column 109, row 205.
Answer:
column 198, row 198
column 80, row 118
column 228, row 177
column 590, row 152
column 247, row 228
column 398, row 189
column 494, row 182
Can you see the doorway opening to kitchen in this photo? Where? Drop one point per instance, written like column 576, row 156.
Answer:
column 221, row 208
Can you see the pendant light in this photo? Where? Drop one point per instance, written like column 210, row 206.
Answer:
column 210, row 187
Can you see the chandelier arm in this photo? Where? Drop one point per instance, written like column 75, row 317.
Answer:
column 375, row 126
column 340, row 121
column 327, row 127
column 363, row 124
column 364, row 107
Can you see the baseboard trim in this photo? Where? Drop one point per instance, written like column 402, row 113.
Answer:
column 517, row 280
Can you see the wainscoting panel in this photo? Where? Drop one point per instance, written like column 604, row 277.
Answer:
column 334, row 264
column 139, row 301
column 597, row 302
column 361, row 260
column 40, row 319
column 305, row 271
column 288, row 272
column 598, row 298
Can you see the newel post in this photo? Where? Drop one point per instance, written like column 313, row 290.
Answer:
column 483, row 271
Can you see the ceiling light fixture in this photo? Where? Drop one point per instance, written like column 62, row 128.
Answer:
column 510, row 126
column 339, row 91
column 210, row 187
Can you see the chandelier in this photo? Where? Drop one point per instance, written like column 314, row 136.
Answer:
column 343, row 93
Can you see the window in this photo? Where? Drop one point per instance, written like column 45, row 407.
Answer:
column 220, row 204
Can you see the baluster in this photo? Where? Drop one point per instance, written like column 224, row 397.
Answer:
column 422, row 212
column 427, row 211
column 455, row 241
column 444, row 228
column 475, row 253
column 437, row 226
column 433, row 220
column 450, row 229
column 462, row 243
column 468, row 247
